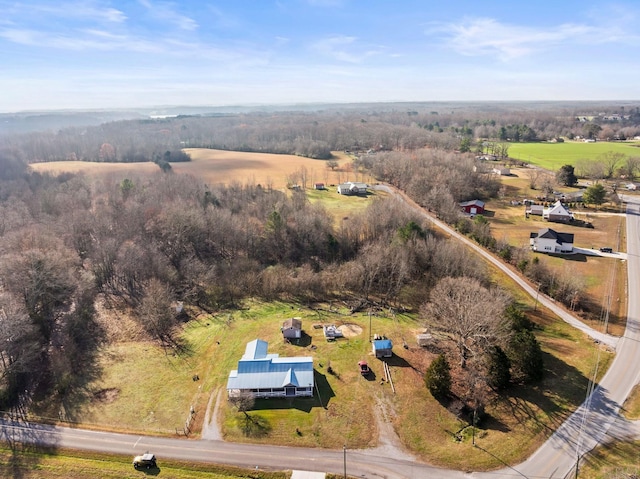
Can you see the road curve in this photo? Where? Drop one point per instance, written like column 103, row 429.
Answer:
column 595, row 421
column 562, row 313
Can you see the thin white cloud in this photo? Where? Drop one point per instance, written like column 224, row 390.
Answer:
column 344, row 48
column 80, row 40
column 488, row 37
column 76, row 10
column 168, row 12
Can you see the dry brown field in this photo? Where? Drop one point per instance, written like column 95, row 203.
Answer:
column 226, row 167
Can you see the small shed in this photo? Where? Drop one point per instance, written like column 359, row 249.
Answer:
column 535, row 210
column 424, row 339
column 382, row 348
column 292, row 328
column 502, row 171
column 318, row 186
column 473, row 207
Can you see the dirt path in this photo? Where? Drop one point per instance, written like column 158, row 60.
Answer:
column 389, row 444
column 210, row 429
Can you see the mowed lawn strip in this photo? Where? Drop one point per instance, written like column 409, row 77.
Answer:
column 613, row 460
column 552, row 156
column 70, row 464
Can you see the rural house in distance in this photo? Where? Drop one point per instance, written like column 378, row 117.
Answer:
column 351, row 188
column 557, row 213
column 270, row 376
column 549, row 241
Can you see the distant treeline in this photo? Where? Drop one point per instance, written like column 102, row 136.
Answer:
column 316, row 134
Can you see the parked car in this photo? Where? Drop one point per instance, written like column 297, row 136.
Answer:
column 606, row 250
column 145, row 461
column 364, row 368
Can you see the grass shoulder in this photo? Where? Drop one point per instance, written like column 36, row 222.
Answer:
column 88, row 465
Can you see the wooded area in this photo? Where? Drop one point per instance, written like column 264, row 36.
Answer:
column 145, row 243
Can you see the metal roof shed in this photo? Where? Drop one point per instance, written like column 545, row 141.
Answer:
column 382, row 348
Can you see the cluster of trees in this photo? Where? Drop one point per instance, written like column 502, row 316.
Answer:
column 144, row 243
column 316, row 134
column 492, row 341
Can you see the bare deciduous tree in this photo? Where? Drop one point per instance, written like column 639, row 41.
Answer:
column 470, row 314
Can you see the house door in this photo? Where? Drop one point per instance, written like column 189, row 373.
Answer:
column 474, row 210
column 289, row 391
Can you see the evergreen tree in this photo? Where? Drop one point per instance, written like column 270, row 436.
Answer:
column 438, row 378
column 526, row 356
column 566, row 176
column 499, row 370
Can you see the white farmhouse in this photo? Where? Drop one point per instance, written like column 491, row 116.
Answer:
column 352, row 188
column 549, row 241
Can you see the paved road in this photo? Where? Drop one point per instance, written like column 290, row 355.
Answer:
column 607, row 339
column 595, row 421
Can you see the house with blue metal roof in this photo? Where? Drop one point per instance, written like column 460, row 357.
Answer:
column 268, row 375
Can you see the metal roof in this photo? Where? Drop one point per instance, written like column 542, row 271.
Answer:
column 269, row 370
column 382, row 344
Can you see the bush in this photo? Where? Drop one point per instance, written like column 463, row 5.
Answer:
column 438, row 378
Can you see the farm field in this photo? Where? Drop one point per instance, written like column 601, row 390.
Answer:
column 552, row 156
column 224, row 167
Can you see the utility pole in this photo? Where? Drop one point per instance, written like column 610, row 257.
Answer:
column 535, row 306
column 473, row 431
column 344, row 453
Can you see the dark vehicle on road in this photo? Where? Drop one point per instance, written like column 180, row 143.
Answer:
column 145, row 461
column 606, row 250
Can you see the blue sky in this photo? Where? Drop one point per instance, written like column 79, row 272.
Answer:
column 139, row 53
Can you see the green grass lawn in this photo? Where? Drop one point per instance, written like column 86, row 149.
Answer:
column 30, row 464
column 631, row 407
column 342, row 207
column 552, row 156
column 615, row 460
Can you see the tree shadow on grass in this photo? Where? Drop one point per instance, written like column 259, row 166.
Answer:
column 25, row 443
column 254, row 425
column 527, row 402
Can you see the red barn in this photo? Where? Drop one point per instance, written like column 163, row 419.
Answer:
column 473, row 207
